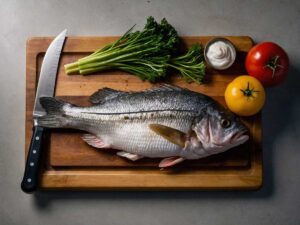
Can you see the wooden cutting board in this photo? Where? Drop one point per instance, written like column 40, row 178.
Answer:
column 70, row 163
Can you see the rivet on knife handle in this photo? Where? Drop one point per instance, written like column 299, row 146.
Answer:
column 31, row 174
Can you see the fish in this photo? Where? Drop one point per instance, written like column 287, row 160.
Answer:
column 166, row 121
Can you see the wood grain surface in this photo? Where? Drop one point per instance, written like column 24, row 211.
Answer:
column 72, row 164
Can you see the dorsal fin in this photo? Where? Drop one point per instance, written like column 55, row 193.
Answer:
column 103, row 95
column 165, row 87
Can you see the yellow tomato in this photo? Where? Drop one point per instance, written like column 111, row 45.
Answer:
column 245, row 96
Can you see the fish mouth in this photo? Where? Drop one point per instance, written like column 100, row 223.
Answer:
column 240, row 136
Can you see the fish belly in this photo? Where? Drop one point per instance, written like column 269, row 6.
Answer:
column 131, row 133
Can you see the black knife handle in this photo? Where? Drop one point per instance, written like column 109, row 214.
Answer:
column 30, row 180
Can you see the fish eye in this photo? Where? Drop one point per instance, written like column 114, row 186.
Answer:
column 225, row 123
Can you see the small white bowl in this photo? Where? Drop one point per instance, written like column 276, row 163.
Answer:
column 222, row 40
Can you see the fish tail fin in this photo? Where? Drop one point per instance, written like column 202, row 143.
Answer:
column 52, row 105
column 51, row 121
column 55, row 117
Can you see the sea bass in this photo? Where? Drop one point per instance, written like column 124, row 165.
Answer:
column 163, row 122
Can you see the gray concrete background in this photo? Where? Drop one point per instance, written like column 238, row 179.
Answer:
column 278, row 202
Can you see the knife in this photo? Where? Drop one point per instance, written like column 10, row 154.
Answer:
column 45, row 88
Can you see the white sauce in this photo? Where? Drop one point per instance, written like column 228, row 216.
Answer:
column 221, row 55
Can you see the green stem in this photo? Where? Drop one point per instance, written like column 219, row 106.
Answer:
column 72, row 68
column 86, row 65
column 113, row 54
column 248, row 92
column 273, row 64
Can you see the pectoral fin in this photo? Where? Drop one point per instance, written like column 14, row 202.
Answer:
column 173, row 135
column 170, row 161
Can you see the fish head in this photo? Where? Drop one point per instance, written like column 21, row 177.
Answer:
column 218, row 130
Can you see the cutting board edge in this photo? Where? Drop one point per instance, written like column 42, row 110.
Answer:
column 251, row 179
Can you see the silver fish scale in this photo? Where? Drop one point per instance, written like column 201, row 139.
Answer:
column 130, row 132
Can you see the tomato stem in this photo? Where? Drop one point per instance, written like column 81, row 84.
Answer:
column 273, row 65
column 248, row 92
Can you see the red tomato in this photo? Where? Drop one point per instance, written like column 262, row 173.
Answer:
column 267, row 62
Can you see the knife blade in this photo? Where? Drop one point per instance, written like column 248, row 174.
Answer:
column 45, row 88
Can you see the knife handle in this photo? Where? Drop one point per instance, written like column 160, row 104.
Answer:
column 30, row 179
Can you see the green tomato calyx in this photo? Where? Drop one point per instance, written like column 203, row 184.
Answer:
column 248, row 92
column 273, row 65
